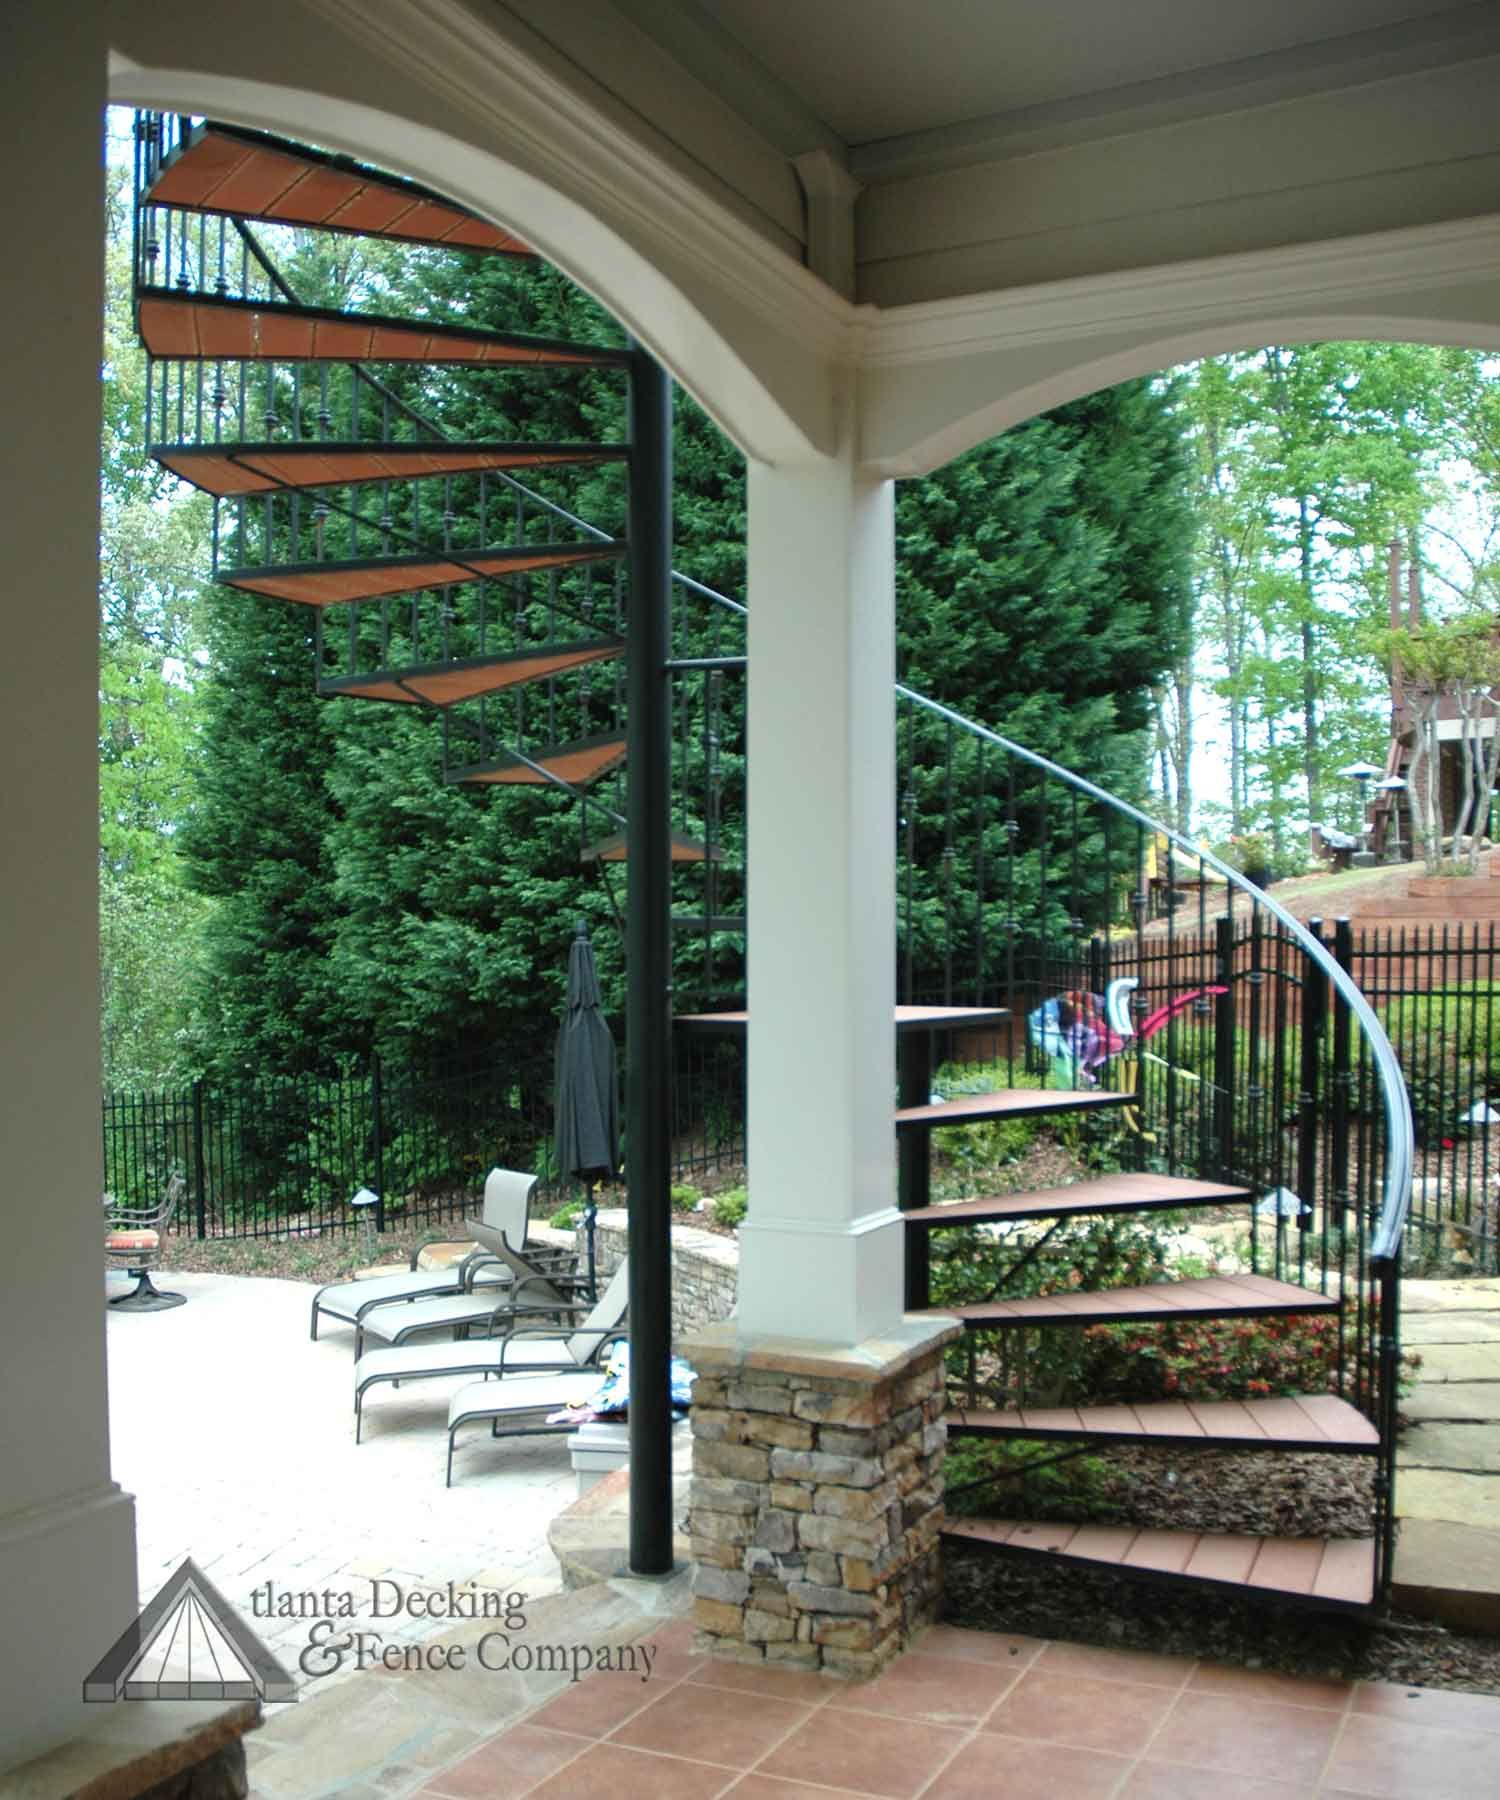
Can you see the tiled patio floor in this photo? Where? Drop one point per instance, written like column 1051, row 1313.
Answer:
column 970, row 1716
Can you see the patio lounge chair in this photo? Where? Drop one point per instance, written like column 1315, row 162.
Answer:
column 518, row 1406
column 134, row 1239
column 523, row 1350
column 506, row 1208
column 537, row 1285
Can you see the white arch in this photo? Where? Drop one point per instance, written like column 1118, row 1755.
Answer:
column 771, row 395
column 946, row 407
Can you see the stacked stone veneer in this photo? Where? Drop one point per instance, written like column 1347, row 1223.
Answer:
column 817, row 1496
column 705, row 1268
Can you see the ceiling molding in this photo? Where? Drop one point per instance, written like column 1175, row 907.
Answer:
column 497, row 73
column 1302, row 278
column 1385, row 53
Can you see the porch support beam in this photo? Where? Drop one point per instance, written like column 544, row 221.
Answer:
column 821, row 1249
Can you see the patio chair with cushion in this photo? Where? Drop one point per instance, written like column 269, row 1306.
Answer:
column 506, row 1209
column 523, row 1349
column 544, row 1284
column 134, row 1239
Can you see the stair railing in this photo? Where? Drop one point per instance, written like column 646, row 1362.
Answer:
column 1250, row 1051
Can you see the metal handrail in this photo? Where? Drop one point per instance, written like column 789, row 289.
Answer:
column 1385, row 1242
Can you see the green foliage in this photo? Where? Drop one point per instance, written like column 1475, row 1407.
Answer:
column 992, row 1144
column 1449, row 1047
column 984, row 1477
column 685, row 1197
column 1210, row 1359
column 730, row 1207
column 566, row 1217
column 1042, row 589
column 151, row 932
column 968, row 1268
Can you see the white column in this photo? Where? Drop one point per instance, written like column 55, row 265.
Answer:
column 821, row 1249
column 67, row 1540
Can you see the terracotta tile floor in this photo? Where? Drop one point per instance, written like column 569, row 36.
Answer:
column 971, row 1715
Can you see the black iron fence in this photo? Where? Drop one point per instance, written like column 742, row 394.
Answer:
column 278, row 1157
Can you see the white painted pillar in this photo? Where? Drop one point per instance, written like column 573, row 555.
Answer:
column 67, row 1539
column 821, row 1249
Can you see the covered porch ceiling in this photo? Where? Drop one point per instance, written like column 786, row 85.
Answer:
column 994, row 143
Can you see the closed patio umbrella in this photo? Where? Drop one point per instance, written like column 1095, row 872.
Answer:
column 587, row 1138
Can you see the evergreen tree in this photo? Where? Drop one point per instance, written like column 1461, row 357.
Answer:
column 371, row 907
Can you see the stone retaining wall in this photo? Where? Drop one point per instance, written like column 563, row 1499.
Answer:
column 705, row 1269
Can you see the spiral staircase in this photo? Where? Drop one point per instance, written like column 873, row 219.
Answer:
column 440, row 580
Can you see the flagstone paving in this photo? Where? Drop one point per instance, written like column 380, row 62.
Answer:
column 1448, row 1458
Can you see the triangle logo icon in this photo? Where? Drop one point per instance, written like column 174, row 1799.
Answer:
column 188, row 1644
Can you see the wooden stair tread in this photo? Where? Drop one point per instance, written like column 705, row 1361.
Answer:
column 685, row 849
column 1205, row 1297
column 224, row 169
column 1303, row 1422
column 372, row 577
column 1107, row 1193
column 968, row 1109
column 230, row 469
column 579, row 762
column 447, row 683
column 192, row 328
column 1336, row 1571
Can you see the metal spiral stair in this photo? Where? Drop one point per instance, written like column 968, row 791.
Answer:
column 268, row 403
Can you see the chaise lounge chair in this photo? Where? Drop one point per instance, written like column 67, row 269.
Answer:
column 506, row 1208
column 524, row 1349
column 537, row 1285
column 518, row 1406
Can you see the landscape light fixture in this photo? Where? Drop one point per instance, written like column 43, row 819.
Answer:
column 1361, row 774
column 364, row 1203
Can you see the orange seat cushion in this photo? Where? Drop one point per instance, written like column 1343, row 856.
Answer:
column 132, row 1240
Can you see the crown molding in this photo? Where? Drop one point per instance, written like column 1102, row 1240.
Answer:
column 500, row 75
column 1175, row 296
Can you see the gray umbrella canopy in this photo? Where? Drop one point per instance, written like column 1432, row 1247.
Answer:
column 588, row 1113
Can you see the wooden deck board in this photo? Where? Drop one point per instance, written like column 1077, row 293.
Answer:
column 187, row 327
column 225, row 170
column 577, row 763
column 1252, row 1424
column 1165, row 1300
column 1110, row 1193
column 338, row 583
column 230, row 469
column 1338, row 1571
column 436, row 684
column 1008, row 1102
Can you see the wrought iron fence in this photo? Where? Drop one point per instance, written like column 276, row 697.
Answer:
column 284, row 1157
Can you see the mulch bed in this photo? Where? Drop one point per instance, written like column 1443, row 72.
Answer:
column 995, row 1593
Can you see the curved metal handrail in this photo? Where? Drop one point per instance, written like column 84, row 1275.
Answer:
column 1385, row 1243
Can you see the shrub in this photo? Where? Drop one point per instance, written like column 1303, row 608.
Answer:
column 566, row 1217
column 730, row 1207
column 1211, row 1359
column 1449, row 1046
column 685, row 1197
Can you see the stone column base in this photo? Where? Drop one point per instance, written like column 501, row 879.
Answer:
column 817, row 1494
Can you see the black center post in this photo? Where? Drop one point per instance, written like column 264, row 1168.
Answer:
column 648, row 965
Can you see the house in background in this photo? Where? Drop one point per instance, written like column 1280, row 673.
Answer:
column 1390, row 820
column 866, row 237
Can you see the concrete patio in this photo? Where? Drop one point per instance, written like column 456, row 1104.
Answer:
column 235, row 1433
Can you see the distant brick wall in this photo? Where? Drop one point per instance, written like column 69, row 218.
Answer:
column 705, row 1269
